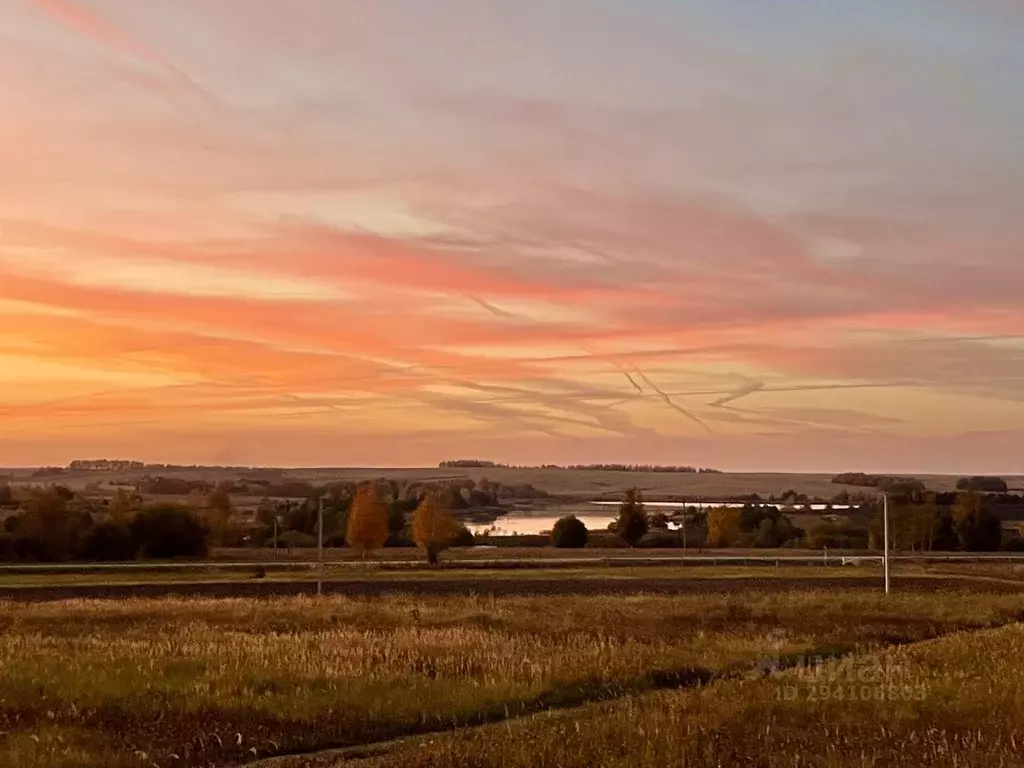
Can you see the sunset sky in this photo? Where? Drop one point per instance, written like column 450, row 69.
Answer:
column 754, row 235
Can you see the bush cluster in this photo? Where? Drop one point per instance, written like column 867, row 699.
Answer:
column 47, row 531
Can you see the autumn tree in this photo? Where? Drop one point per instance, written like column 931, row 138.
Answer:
column 122, row 505
column 368, row 521
column 925, row 524
column 218, row 516
column 913, row 525
column 632, row 524
column 433, row 526
column 977, row 528
column 723, row 526
column 48, row 525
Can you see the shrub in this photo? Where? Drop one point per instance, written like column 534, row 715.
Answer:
column 336, row 540
column 839, row 535
column 464, row 538
column 296, row 540
column 982, row 484
column 569, row 533
column 1014, row 544
column 604, row 541
column 30, row 548
column 109, row 542
column 662, row 539
column 169, row 530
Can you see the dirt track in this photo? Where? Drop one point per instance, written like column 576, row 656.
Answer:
column 502, row 586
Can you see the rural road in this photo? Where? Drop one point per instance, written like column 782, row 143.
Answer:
column 498, row 586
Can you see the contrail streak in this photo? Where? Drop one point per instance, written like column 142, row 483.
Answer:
column 622, row 370
column 632, row 381
column 671, row 403
column 90, row 25
column 497, row 312
column 747, row 389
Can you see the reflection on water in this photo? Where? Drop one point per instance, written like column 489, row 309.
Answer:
column 525, row 523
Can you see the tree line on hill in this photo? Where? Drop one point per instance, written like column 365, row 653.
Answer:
column 476, row 493
column 898, row 484
column 659, row 468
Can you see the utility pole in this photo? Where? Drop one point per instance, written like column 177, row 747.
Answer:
column 885, row 538
column 320, row 549
column 276, row 517
column 684, row 527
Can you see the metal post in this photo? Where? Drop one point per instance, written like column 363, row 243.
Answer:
column 320, row 549
column 684, row 527
column 885, row 538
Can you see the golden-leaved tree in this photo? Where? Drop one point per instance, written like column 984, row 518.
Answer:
column 723, row 526
column 433, row 526
column 367, row 529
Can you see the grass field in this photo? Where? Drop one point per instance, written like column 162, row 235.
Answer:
column 576, row 484
column 175, row 682
column 637, row 573
column 953, row 701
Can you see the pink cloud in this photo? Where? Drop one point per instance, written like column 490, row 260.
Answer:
column 74, row 15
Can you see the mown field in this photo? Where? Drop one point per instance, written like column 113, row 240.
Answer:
column 568, row 579
column 602, row 679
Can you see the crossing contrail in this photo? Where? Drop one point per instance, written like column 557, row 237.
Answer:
column 671, row 403
column 747, row 389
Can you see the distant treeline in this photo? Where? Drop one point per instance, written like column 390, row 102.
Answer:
column 979, row 483
column 864, row 480
column 965, row 521
column 56, row 524
column 664, row 468
column 125, row 465
column 482, row 493
column 105, row 465
column 982, row 484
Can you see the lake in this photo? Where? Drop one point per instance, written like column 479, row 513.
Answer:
column 528, row 523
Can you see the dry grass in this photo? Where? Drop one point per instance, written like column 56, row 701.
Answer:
column 955, row 701
column 140, row 682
